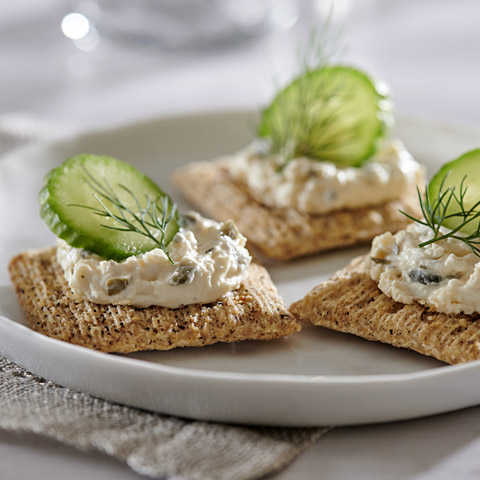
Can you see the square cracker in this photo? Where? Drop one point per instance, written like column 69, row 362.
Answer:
column 351, row 302
column 282, row 233
column 252, row 312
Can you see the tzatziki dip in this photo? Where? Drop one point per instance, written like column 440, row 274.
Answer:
column 210, row 260
column 444, row 275
column 318, row 187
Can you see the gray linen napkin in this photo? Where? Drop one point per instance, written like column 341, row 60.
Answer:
column 151, row 444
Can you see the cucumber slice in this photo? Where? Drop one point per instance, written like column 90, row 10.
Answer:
column 451, row 175
column 335, row 113
column 73, row 184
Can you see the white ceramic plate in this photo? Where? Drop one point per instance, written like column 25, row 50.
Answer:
column 316, row 377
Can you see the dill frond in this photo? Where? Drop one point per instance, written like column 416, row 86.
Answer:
column 449, row 204
column 151, row 219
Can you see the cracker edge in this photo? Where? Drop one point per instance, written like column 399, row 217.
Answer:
column 283, row 323
column 448, row 338
column 290, row 234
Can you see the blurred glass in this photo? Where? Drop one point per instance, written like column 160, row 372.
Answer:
column 175, row 23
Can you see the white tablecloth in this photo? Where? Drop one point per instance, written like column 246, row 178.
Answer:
column 427, row 50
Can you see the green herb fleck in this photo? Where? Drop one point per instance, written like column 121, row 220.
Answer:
column 449, row 204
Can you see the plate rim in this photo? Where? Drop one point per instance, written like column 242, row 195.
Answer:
column 78, row 135
column 443, row 372
column 464, row 126
column 241, row 376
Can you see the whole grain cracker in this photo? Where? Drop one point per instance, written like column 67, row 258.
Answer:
column 351, row 302
column 285, row 233
column 253, row 311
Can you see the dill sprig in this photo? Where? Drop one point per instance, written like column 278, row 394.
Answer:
column 324, row 44
column 151, row 220
column 329, row 111
column 319, row 120
column 297, row 129
column 449, row 204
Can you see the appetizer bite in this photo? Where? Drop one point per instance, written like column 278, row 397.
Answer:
column 417, row 289
column 130, row 273
column 321, row 173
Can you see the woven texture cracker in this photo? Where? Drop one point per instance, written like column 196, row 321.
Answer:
column 281, row 233
column 351, row 302
column 253, row 311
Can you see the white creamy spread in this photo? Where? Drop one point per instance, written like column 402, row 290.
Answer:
column 317, row 187
column 444, row 275
column 210, row 260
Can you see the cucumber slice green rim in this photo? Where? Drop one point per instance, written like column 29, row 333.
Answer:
column 336, row 113
column 462, row 175
column 81, row 198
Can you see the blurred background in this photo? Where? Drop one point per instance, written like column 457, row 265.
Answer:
column 91, row 63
